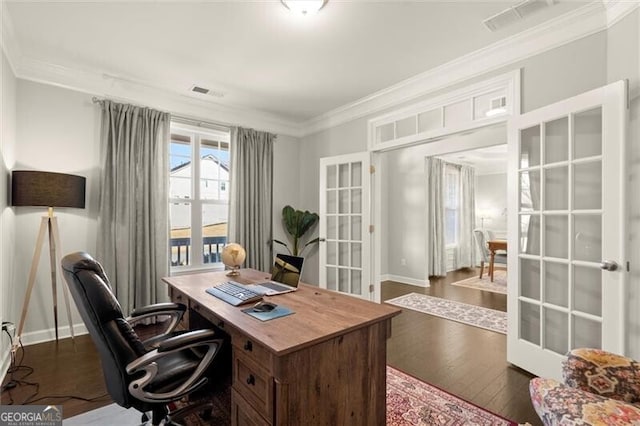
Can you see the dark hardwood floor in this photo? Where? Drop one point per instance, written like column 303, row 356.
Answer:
column 467, row 361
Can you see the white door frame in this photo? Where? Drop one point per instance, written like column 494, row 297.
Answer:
column 437, row 145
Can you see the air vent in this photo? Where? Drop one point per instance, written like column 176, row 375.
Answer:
column 204, row 91
column 516, row 13
column 500, row 102
column 199, row 89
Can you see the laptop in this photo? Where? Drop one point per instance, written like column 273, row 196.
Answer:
column 285, row 276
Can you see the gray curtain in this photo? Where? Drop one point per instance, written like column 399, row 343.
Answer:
column 436, row 249
column 133, row 220
column 250, row 203
column 466, row 242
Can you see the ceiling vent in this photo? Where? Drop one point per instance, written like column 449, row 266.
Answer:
column 516, row 13
column 205, row 91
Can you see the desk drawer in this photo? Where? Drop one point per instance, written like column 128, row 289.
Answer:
column 250, row 349
column 253, row 383
column 242, row 414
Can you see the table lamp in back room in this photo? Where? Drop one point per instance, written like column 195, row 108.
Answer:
column 46, row 189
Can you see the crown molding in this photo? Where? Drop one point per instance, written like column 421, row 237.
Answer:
column 7, row 37
column 124, row 89
column 581, row 22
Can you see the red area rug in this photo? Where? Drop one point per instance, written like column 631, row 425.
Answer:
column 413, row 402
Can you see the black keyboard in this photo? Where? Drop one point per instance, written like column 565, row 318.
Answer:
column 233, row 293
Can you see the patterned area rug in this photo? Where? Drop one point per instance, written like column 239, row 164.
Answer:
column 412, row 402
column 409, row 402
column 499, row 284
column 476, row 316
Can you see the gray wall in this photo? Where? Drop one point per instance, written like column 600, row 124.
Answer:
column 7, row 223
column 491, row 196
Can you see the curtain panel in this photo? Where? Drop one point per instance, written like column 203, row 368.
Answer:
column 132, row 243
column 251, row 195
column 436, row 248
column 466, row 241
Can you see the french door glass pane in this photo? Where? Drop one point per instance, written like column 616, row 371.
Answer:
column 356, row 228
column 343, row 175
column 556, row 284
column 530, row 278
column 530, row 234
column 587, row 191
column 556, row 326
column 587, row 237
column 356, row 281
column 587, row 284
column 332, row 202
column 343, row 228
column 588, row 133
column 356, row 255
column 356, row 201
column 332, row 227
column 343, row 280
column 530, row 190
column 332, row 278
column 530, row 322
column 343, row 201
column 556, row 146
column 332, row 177
column 356, row 174
column 530, row 147
column 586, row 333
column 556, row 190
column 556, row 233
column 332, row 253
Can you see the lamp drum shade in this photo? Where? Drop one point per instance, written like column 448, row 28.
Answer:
column 35, row 188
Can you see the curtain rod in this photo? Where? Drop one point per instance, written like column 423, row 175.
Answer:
column 188, row 120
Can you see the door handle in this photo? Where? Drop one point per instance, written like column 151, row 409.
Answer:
column 609, row 265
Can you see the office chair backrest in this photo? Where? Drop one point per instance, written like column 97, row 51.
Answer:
column 116, row 341
column 482, row 244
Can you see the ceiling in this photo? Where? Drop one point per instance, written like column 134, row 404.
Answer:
column 257, row 55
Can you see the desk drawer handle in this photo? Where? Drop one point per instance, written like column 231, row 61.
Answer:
column 248, row 346
column 251, row 380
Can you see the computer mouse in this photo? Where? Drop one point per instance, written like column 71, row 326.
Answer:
column 263, row 306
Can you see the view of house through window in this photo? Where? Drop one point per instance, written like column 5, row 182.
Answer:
column 198, row 195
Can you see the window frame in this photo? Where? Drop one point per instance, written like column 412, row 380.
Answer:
column 196, row 134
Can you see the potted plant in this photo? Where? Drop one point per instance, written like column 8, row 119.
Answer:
column 297, row 223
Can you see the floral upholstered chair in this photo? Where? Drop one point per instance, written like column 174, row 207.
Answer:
column 600, row 388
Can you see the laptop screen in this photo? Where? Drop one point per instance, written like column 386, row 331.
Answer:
column 287, row 269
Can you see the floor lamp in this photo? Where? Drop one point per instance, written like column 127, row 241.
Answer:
column 46, row 189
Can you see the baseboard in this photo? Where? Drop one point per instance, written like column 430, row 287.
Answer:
column 405, row 280
column 40, row 336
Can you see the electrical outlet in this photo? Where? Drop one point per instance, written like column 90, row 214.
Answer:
column 10, row 328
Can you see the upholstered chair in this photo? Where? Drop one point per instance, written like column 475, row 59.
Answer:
column 600, row 388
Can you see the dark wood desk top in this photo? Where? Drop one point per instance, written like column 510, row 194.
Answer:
column 319, row 314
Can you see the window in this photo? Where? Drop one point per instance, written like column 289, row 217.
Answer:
column 451, row 205
column 198, row 195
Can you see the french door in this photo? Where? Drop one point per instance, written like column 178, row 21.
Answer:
column 567, row 261
column 344, row 224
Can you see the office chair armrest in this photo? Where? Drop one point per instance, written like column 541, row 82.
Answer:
column 174, row 310
column 147, row 364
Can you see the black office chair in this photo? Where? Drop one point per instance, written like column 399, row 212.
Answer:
column 144, row 375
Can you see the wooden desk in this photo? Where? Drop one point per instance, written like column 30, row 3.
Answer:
column 323, row 365
column 495, row 245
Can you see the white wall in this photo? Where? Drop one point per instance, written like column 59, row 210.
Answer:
column 57, row 130
column 7, row 222
column 491, row 202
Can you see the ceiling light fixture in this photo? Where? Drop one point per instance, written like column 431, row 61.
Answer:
column 304, row 7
